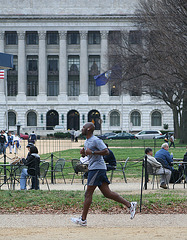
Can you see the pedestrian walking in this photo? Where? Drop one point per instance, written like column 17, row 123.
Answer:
column 76, row 134
column 32, row 138
column 172, row 139
column 2, row 143
column 72, row 132
column 16, row 143
column 10, row 142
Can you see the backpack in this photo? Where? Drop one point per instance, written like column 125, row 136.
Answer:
column 175, row 175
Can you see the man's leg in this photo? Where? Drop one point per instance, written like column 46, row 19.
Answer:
column 116, row 197
column 87, row 201
column 164, row 178
column 10, row 146
column 113, row 195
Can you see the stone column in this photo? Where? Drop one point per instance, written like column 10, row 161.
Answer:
column 2, row 49
column 63, row 66
column 42, row 84
column 104, row 64
column 22, row 77
column 83, row 66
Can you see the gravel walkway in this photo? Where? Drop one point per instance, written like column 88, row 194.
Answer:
column 111, row 227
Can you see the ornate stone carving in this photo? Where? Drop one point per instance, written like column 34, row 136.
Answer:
column 63, row 35
column 104, row 34
column 2, row 35
column 21, row 35
column 83, row 35
column 42, row 35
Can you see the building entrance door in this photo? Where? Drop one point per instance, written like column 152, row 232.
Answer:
column 94, row 117
column 73, row 120
column 52, row 119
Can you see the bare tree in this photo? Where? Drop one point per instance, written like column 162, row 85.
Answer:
column 154, row 58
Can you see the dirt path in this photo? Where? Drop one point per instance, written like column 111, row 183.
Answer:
column 110, row 227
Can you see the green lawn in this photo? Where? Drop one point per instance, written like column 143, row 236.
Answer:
column 140, row 143
column 121, row 153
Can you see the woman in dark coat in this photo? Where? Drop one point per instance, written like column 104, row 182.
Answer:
column 33, row 163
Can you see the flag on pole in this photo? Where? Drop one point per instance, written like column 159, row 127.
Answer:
column 103, row 78
column 6, row 61
column 2, row 74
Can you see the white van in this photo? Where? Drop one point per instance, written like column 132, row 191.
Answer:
column 147, row 134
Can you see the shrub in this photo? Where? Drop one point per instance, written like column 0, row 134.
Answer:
column 62, row 135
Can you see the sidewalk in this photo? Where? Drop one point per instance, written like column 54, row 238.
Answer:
column 100, row 226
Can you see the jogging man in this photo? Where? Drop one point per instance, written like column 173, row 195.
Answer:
column 95, row 149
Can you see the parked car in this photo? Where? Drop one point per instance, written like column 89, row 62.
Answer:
column 59, row 128
column 123, row 135
column 147, row 134
column 24, row 136
column 104, row 136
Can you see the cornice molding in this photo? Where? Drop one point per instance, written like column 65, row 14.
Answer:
column 67, row 17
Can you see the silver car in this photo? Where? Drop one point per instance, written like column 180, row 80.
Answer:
column 147, row 134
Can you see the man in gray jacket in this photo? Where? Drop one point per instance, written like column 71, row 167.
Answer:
column 158, row 168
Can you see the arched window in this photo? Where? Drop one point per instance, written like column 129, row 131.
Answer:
column 156, row 119
column 31, row 119
column 135, row 118
column 114, row 118
column 11, row 119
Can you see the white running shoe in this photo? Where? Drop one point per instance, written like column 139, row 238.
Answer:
column 79, row 221
column 133, row 209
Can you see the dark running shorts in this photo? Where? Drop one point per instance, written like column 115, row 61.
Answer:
column 97, row 177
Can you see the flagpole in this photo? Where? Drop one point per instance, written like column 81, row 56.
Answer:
column 6, row 100
column 122, row 111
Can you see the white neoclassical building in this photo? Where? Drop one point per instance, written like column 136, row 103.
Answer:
column 58, row 47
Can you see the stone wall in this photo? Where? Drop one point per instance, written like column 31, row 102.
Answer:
column 68, row 7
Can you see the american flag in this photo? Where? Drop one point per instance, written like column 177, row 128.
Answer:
column 1, row 74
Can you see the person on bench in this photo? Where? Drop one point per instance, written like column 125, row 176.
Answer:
column 158, row 168
column 110, row 160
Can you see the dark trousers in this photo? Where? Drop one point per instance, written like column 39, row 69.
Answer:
column 35, row 182
column 172, row 143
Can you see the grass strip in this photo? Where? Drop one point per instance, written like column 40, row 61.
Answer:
column 156, row 201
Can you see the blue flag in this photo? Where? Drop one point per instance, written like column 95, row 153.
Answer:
column 103, row 78
column 6, row 61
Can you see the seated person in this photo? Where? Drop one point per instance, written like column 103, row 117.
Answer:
column 165, row 156
column 185, row 165
column 110, row 160
column 33, row 163
column 158, row 168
